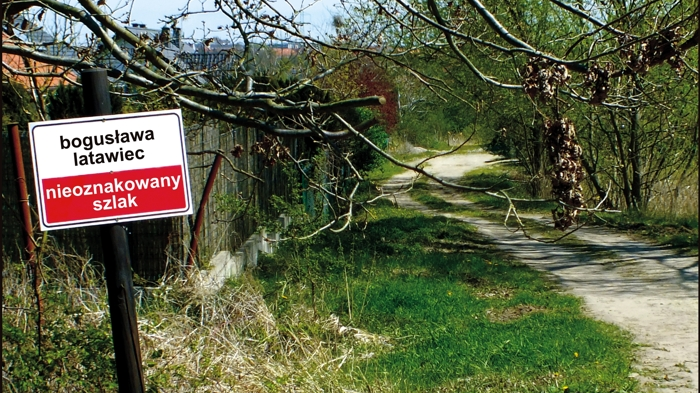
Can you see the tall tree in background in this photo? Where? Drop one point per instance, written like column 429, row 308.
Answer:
column 586, row 66
column 622, row 72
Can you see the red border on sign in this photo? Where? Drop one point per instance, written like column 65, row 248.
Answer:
column 68, row 210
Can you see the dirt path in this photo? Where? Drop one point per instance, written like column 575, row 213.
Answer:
column 642, row 288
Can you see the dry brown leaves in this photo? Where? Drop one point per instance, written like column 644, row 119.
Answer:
column 237, row 151
column 567, row 173
column 271, row 149
column 512, row 313
column 598, row 80
column 543, row 77
column 652, row 51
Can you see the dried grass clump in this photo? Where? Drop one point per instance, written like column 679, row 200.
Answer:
column 230, row 342
column 672, row 200
column 191, row 340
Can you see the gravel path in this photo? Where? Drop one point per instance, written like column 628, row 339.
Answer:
column 642, row 288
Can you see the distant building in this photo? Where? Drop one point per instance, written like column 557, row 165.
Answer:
column 15, row 67
column 166, row 40
column 212, row 54
column 222, row 55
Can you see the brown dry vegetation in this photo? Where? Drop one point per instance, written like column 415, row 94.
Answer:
column 190, row 340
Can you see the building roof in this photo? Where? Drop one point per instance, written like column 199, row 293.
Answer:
column 15, row 63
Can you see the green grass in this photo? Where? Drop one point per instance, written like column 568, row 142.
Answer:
column 422, row 194
column 681, row 233
column 506, row 177
column 387, row 169
column 459, row 316
column 535, row 228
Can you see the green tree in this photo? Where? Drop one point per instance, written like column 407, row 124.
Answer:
column 563, row 54
column 600, row 67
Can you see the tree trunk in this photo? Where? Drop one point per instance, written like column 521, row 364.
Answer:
column 635, row 162
column 538, row 164
column 623, row 165
column 599, row 189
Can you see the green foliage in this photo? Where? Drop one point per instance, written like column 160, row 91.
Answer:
column 642, row 148
column 457, row 314
column 681, row 233
column 305, row 207
column 364, row 158
column 66, row 102
column 17, row 105
column 501, row 145
column 677, row 230
column 76, row 352
column 507, row 177
column 431, row 124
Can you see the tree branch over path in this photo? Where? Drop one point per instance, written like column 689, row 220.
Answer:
column 457, row 59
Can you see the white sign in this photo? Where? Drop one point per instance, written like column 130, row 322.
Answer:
column 107, row 169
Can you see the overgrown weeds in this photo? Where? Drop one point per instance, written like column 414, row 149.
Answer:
column 190, row 340
column 671, row 218
column 679, row 232
column 75, row 352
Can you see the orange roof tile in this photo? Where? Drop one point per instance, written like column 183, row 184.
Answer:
column 22, row 64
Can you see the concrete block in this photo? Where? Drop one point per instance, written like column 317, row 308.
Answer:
column 260, row 240
column 223, row 266
column 251, row 253
column 285, row 220
column 240, row 262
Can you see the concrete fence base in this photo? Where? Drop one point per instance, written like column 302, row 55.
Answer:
column 228, row 264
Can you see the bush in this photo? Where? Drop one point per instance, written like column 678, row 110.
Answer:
column 17, row 104
column 501, row 145
column 66, row 102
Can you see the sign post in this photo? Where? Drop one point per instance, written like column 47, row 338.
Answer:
column 105, row 170
column 115, row 245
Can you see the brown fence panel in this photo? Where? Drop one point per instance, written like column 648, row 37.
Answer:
column 158, row 244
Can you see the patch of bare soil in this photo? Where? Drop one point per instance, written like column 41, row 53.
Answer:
column 511, row 313
column 643, row 288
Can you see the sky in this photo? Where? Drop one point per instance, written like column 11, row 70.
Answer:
column 318, row 15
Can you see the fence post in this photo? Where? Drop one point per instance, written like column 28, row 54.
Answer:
column 194, row 244
column 34, row 264
column 13, row 130
column 120, row 286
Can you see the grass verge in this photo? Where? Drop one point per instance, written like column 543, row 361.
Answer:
column 678, row 231
column 504, row 177
column 454, row 315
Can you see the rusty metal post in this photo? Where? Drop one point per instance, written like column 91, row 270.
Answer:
column 13, row 129
column 29, row 244
column 120, row 286
column 194, row 243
